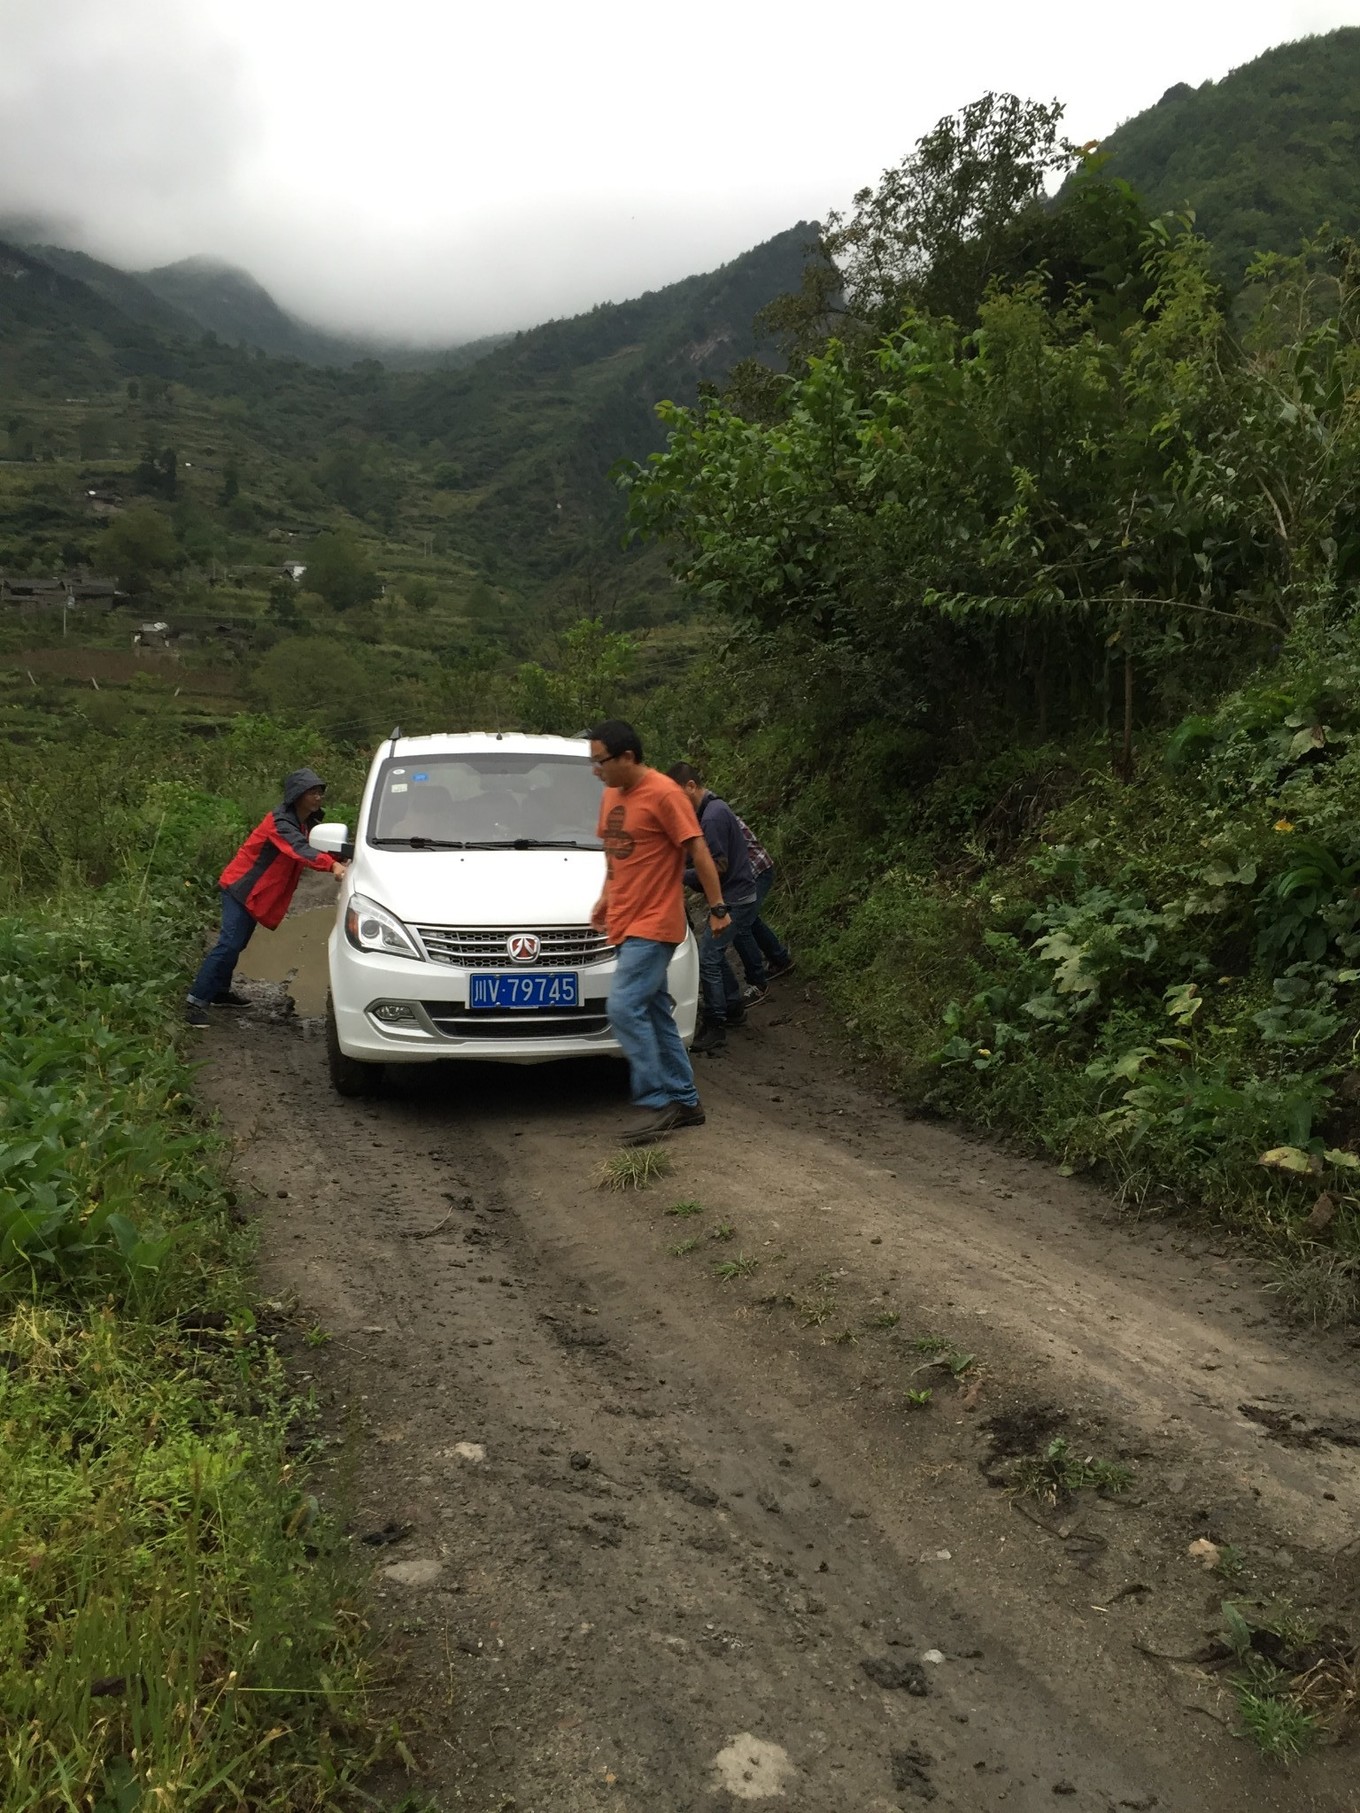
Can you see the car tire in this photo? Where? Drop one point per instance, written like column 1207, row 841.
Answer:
column 349, row 1076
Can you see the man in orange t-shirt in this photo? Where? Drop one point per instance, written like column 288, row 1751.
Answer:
column 649, row 832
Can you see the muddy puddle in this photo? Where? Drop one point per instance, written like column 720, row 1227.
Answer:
column 295, row 955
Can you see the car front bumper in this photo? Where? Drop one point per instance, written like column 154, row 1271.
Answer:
column 393, row 1010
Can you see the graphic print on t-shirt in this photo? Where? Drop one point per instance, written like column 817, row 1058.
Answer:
column 617, row 840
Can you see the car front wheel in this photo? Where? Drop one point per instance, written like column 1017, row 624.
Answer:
column 350, row 1076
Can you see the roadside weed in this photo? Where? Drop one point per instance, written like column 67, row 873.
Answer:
column 634, row 1168
column 886, row 1318
column 723, row 1231
column 917, row 1400
column 945, row 1354
column 1231, row 1561
column 1278, row 1726
column 820, row 1305
column 317, row 1336
column 684, row 1246
column 1058, row 1473
column 1294, row 1679
column 685, row 1208
column 741, row 1266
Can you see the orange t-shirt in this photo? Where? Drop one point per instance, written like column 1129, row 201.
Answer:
column 644, row 829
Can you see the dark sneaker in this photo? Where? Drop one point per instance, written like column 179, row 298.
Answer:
column 195, row 1013
column 754, row 995
column 775, row 970
column 230, row 998
column 666, row 1120
column 736, row 1016
column 711, row 1037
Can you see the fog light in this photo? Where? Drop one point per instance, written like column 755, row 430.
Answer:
column 395, row 1013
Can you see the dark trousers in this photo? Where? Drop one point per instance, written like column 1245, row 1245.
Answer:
column 721, row 995
column 218, row 967
column 760, row 941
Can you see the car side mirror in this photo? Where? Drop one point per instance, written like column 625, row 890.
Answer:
column 331, row 840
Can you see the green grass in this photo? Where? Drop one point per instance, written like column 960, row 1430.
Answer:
column 1059, row 1472
column 1293, row 1681
column 742, row 1266
column 634, row 1168
column 723, row 1231
column 178, row 1619
column 682, row 1247
column 1280, row 1728
column 685, row 1208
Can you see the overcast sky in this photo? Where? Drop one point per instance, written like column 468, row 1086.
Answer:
column 430, row 169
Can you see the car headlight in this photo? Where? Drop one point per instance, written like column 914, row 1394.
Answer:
column 370, row 927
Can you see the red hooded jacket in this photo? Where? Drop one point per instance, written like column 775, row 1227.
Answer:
column 264, row 873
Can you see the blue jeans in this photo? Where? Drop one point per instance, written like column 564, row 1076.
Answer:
column 642, row 1016
column 215, row 971
column 761, row 941
column 722, row 995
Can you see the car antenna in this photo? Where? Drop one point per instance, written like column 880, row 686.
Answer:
column 396, row 732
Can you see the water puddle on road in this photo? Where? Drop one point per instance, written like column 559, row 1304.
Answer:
column 295, row 955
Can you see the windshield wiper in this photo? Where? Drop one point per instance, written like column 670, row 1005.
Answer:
column 421, row 843
column 538, row 843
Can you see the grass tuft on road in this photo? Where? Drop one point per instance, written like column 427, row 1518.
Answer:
column 634, row 1168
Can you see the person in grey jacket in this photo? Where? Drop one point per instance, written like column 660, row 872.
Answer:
column 721, row 993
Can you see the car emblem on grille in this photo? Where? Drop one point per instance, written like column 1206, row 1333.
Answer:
column 523, row 946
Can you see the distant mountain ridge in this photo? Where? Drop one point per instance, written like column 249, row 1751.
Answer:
column 229, row 302
column 208, row 295
column 1267, row 154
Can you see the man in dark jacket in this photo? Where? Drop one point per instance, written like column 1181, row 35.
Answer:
column 257, row 886
column 722, row 1003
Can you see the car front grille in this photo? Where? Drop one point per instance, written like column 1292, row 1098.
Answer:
column 560, row 947
column 455, row 1021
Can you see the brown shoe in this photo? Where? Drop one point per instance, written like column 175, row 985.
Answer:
column 664, row 1121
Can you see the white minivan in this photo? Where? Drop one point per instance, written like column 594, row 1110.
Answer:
column 463, row 926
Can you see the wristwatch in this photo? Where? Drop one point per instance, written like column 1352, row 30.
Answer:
column 719, row 911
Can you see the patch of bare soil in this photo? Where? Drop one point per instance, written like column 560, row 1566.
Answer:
column 654, row 1523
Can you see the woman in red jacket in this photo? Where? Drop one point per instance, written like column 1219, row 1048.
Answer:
column 257, row 886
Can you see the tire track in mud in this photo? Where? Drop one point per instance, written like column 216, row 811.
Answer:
column 696, row 1519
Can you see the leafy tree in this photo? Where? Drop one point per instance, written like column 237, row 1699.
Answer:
column 358, row 475
column 1036, row 519
column 157, row 473
column 339, row 569
column 420, row 593
column 932, row 235
column 310, row 679
column 583, row 683
column 138, row 547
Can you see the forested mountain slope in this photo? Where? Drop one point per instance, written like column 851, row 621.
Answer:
column 1263, row 156
column 536, row 425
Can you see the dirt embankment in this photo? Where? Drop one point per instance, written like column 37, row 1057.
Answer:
column 652, row 1538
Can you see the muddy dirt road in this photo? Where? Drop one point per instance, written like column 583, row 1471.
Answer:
column 666, row 1539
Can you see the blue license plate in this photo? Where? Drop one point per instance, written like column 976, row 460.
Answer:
column 525, row 991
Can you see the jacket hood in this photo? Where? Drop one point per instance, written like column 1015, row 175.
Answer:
column 300, row 781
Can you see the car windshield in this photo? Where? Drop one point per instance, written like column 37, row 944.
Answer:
column 497, row 797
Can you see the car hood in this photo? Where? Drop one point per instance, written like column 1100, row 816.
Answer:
column 529, row 888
